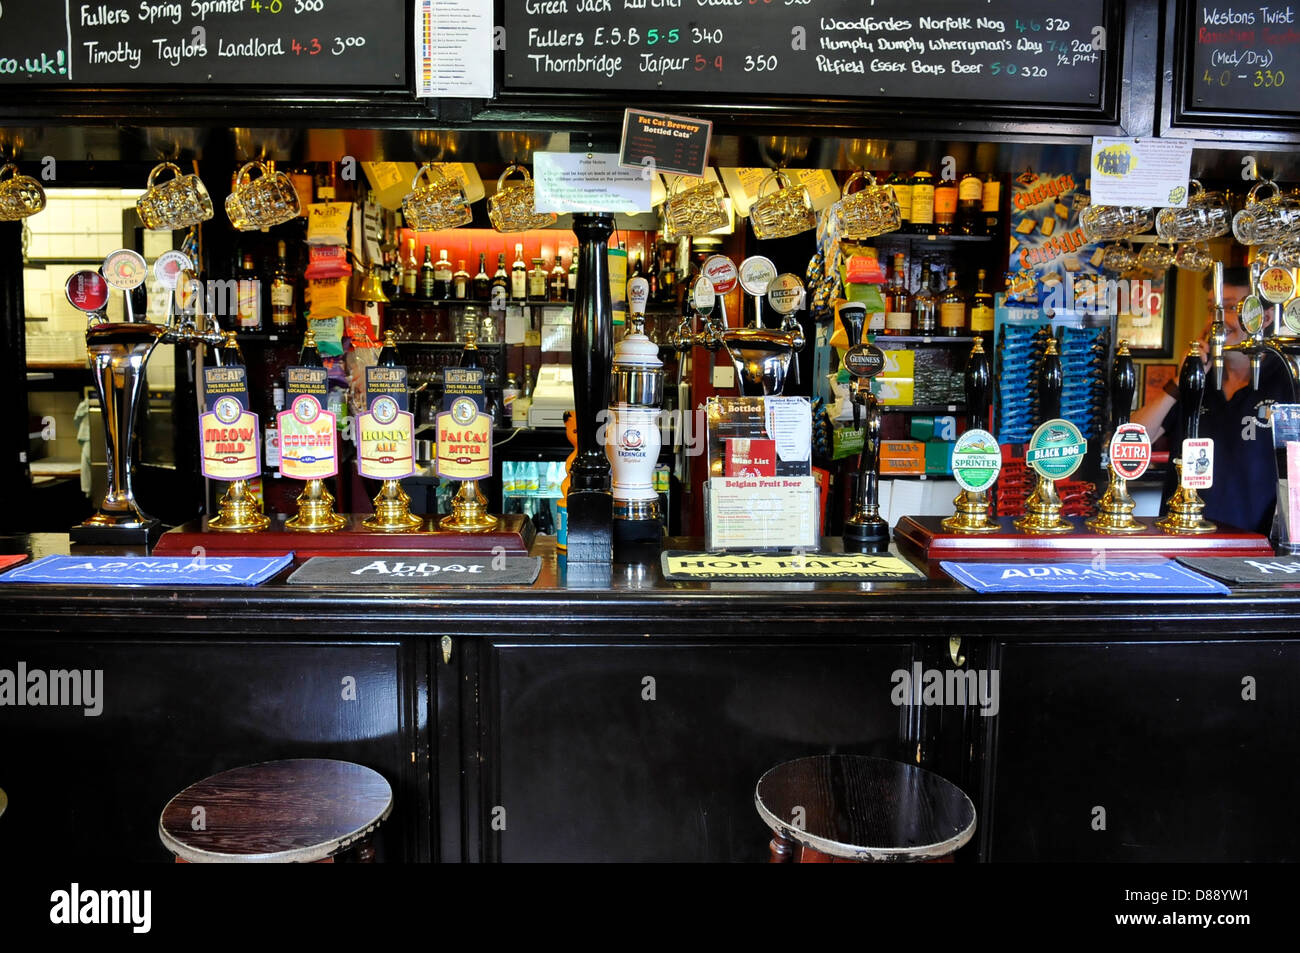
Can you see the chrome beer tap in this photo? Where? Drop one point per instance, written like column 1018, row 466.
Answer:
column 1260, row 340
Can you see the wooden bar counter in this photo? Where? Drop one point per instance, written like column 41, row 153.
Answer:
column 630, row 718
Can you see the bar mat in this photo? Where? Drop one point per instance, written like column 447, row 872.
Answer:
column 423, row 570
column 1246, row 572
column 681, row 566
column 1117, row 578
column 149, row 570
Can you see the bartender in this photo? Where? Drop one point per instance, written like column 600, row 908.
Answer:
column 1244, row 492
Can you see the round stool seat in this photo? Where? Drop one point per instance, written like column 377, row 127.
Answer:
column 866, row 809
column 297, row 811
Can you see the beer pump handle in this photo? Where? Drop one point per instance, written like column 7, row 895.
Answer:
column 1219, row 330
column 1123, row 382
column 979, row 387
column 1191, row 390
column 1050, row 383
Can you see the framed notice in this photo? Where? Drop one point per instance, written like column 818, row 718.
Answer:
column 1147, row 323
column 1154, row 379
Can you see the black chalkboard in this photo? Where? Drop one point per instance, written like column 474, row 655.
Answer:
column 168, row 43
column 1242, row 59
column 1004, row 51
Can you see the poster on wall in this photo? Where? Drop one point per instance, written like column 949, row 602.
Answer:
column 1050, row 260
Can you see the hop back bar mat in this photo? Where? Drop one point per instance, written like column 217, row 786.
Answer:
column 774, row 567
column 420, row 570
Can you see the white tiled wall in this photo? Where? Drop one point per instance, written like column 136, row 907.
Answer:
column 82, row 226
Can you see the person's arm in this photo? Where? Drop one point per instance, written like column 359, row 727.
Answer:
column 1156, row 411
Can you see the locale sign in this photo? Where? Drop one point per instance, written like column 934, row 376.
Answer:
column 661, row 142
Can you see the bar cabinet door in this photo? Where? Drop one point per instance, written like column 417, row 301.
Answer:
column 621, row 751
column 1144, row 751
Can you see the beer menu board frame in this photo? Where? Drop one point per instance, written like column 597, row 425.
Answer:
column 1237, row 60
column 169, row 43
column 1004, row 51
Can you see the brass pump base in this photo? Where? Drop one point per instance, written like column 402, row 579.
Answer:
column 1115, row 510
column 1043, row 511
column 1183, row 514
column 972, row 516
column 469, row 511
column 240, row 512
column 316, row 510
column 392, row 511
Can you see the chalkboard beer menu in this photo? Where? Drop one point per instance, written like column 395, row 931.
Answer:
column 999, row 51
column 1245, row 58
column 359, row 43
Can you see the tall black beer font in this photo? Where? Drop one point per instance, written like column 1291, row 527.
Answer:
column 590, row 501
column 865, row 531
column 1130, row 451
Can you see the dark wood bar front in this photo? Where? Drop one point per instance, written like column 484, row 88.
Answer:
column 631, row 720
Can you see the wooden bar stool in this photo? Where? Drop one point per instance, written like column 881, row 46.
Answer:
column 847, row 808
column 301, row 811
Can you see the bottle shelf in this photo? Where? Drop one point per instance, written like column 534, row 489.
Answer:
column 922, row 408
column 879, row 338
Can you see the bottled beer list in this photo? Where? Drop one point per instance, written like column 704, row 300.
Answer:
column 360, row 43
column 1000, row 51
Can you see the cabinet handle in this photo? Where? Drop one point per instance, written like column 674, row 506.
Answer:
column 446, row 649
column 954, row 647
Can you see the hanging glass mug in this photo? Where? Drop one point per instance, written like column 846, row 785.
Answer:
column 787, row 211
column 180, row 202
column 695, row 211
column 436, row 204
column 1103, row 223
column 20, row 196
column 1118, row 258
column 1206, row 216
column 268, row 200
column 1194, row 257
column 1266, row 221
column 1156, row 258
column 513, row 207
column 872, row 210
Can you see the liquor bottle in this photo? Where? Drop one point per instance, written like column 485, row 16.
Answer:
column 970, row 195
column 902, row 186
column 429, row 287
column 519, row 275
column 460, row 281
column 922, row 203
column 482, row 283
column 499, row 293
column 898, row 303
column 537, row 281
column 282, row 315
column 559, row 280
column 667, row 276
column 442, row 277
column 638, row 269
column 945, row 206
column 249, row 298
column 991, row 204
column 410, row 271
column 952, row 308
column 981, row 313
column 571, row 292
column 923, row 304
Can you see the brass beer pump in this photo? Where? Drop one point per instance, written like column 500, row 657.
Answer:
column 239, row 511
column 972, row 507
column 315, row 503
column 1043, row 507
column 469, row 507
column 392, row 504
column 1183, row 516
column 1115, row 509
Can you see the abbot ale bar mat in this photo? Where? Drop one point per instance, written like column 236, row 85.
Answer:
column 763, row 567
column 150, row 570
column 1247, row 572
column 1117, row 578
column 457, row 571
